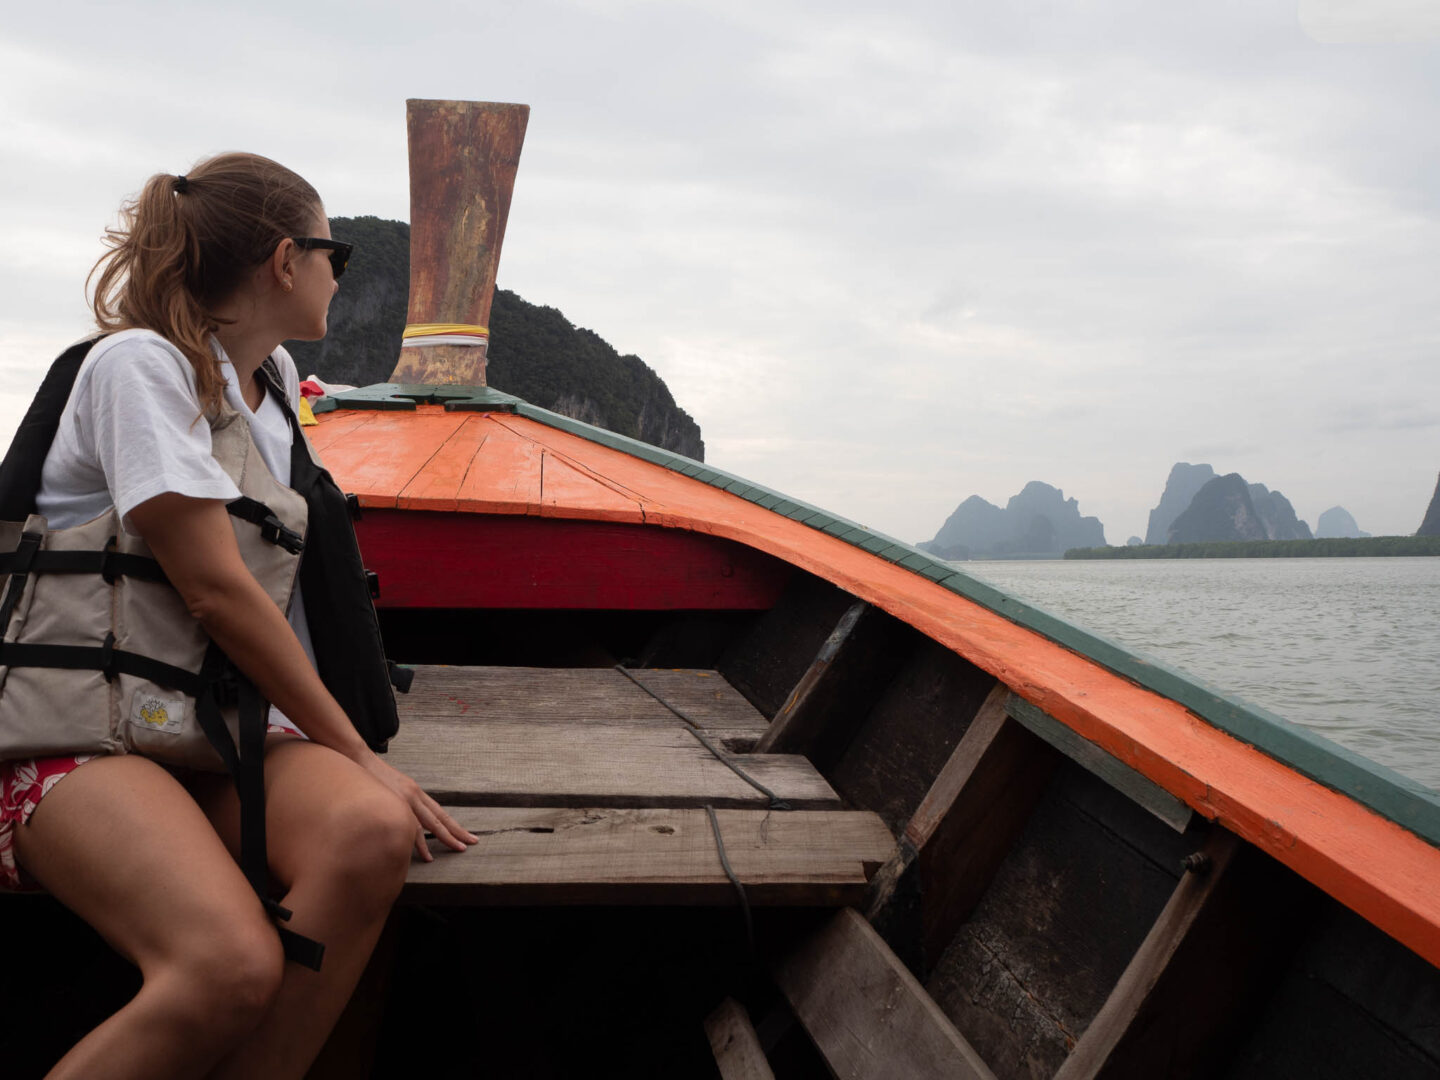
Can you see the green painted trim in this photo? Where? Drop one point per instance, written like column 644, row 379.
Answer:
column 380, row 397
column 1404, row 801
column 1106, row 766
column 405, row 396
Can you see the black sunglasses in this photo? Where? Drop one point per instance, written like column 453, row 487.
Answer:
column 339, row 252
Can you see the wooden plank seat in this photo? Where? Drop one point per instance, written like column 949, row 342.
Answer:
column 606, row 855
column 588, row 738
column 547, row 695
column 584, row 789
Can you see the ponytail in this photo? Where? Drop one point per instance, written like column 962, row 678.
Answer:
column 186, row 244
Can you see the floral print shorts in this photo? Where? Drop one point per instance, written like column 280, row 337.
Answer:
column 22, row 785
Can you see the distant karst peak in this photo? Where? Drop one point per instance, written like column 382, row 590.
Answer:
column 1197, row 506
column 1039, row 521
column 1336, row 523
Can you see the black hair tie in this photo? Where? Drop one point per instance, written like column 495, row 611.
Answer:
column 181, row 185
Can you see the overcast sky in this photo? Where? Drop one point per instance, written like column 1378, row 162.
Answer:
column 888, row 256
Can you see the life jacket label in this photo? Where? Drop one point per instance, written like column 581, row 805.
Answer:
column 153, row 713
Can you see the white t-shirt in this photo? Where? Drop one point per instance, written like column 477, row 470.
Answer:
column 132, row 430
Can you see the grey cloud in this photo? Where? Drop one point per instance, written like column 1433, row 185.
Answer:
column 986, row 243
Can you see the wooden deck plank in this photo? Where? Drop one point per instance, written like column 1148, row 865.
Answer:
column 371, row 460
column 593, row 763
column 437, row 485
column 337, row 426
column 866, row 1012
column 566, row 485
column 736, row 1047
column 506, row 480
column 590, row 855
column 547, row 695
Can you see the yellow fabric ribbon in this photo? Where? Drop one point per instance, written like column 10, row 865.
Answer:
column 417, row 332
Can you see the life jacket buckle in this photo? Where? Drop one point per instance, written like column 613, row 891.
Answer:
column 273, row 530
column 107, row 658
column 107, row 560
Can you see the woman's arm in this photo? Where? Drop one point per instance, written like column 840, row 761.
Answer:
column 194, row 542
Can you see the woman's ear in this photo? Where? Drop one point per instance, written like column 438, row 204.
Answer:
column 281, row 264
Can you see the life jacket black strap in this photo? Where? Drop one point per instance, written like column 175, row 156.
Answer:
column 401, row 678
column 21, row 559
column 272, row 528
column 246, row 765
column 103, row 658
column 348, row 650
column 108, row 563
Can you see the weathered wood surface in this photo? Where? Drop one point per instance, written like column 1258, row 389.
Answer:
column 500, row 736
column 1197, row 976
column 938, row 804
column 866, row 1013
column 977, row 807
column 575, row 695
column 490, row 762
column 1064, row 913
column 802, row 716
column 1117, row 774
column 1352, row 1004
column 463, row 159
column 603, row 855
column 848, row 675
column 737, row 1050
column 910, row 732
column 767, row 663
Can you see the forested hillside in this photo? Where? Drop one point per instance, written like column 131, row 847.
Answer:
column 535, row 352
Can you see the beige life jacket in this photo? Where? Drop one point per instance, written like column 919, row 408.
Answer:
column 100, row 653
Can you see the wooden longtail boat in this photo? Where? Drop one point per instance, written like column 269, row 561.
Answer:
column 762, row 792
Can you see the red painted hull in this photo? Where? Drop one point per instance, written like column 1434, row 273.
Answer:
column 483, row 561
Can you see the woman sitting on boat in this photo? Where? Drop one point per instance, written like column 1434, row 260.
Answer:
column 178, row 427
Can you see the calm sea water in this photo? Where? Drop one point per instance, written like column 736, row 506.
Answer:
column 1347, row 647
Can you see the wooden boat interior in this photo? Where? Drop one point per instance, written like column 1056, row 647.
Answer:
column 762, row 792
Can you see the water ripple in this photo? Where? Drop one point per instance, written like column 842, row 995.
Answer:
column 1347, row 647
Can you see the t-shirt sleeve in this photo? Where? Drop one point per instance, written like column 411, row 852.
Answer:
column 149, row 436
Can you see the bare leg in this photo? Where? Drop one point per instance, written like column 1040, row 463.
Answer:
column 124, row 846
column 340, row 844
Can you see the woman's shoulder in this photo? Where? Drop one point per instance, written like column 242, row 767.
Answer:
column 136, row 354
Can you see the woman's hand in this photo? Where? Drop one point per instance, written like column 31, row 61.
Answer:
column 429, row 815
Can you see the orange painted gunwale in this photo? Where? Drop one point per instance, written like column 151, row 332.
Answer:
column 1382, row 871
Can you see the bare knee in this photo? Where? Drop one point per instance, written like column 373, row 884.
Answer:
column 368, row 840
column 222, row 987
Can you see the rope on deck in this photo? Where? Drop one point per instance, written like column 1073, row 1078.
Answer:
column 734, row 877
column 776, row 803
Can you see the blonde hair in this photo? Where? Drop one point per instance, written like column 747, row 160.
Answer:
column 185, row 244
